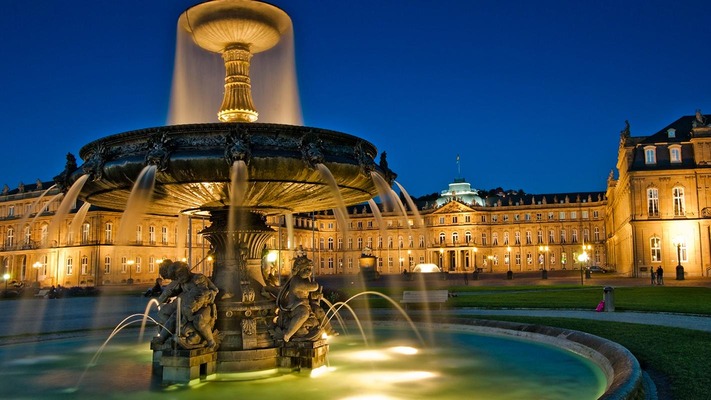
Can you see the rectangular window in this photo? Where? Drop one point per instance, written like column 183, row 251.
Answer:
column 164, row 234
column 454, row 219
column 573, row 215
column 550, row 215
column 107, row 265
column 467, row 219
column 561, row 215
column 678, row 198
column 517, row 236
column 441, row 220
column 675, row 154
column 539, row 216
column 584, row 215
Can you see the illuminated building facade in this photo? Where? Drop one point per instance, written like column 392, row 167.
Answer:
column 657, row 212
column 659, row 207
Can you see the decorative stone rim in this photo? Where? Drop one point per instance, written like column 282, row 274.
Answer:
column 620, row 367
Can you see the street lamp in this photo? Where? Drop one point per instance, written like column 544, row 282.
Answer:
column 441, row 258
column 509, row 273
column 37, row 265
column 475, row 254
column 582, row 258
column 130, row 268
column 6, row 276
column 544, row 250
column 679, row 268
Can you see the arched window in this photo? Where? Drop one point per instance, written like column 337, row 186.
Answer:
column 70, row 265
column 468, row 236
column 28, row 235
column 455, row 237
column 442, row 238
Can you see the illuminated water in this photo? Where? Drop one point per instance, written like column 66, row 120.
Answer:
column 464, row 366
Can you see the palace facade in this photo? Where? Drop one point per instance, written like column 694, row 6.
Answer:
column 657, row 212
column 659, row 207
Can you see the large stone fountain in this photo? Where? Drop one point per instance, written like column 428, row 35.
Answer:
column 195, row 167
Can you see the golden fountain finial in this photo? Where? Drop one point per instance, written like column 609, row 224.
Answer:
column 237, row 29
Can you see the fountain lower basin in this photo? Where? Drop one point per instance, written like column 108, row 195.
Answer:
column 488, row 359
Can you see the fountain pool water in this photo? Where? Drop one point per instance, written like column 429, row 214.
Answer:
column 463, row 364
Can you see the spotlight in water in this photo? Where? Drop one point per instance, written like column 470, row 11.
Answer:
column 405, row 350
column 370, row 355
column 321, row 371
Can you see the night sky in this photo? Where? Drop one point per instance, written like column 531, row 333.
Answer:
column 531, row 94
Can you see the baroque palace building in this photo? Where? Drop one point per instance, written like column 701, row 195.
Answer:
column 659, row 207
column 657, row 212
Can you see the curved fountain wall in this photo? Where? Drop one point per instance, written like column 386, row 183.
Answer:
column 621, row 368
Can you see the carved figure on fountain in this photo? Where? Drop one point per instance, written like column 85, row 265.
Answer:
column 159, row 149
column 301, row 317
column 94, row 165
column 312, row 149
column 366, row 163
column 237, row 146
column 195, row 314
column 64, row 179
column 388, row 174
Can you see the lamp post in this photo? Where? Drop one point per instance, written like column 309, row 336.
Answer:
column 582, row 258
column 37, row 265
column 5, row 277
column 544, row 250
column 679, row 268
column 130, row 268
column 441, row 258
column 509, row 273
column 475, row 254
column 491, row 262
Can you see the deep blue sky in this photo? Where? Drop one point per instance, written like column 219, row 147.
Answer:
column 531, row 94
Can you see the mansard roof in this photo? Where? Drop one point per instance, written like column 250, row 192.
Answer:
column 682, row 127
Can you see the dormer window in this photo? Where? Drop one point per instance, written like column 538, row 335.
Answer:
column 650, row 155
column 675, row 154
column 671, row 133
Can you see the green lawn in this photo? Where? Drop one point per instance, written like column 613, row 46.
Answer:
column 678, row 359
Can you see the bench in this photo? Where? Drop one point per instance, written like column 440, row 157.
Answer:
column 424, row 297
column 42, row 293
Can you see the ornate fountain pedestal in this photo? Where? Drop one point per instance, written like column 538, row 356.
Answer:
column 303, row 355
column 183, row 366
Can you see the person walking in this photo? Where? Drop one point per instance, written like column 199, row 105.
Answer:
column 652, row 274
column 660, row 275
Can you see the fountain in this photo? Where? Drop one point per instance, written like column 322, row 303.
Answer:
column 191, row 172
column 237, row 172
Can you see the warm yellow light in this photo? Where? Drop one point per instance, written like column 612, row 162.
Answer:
column 475, row 249
column 130, row 262
column 184, row 259
column 37, row 265
column 159, row 261
column 405, row 350
column 209, row 258
column 272, row 256
column 6, row 276
column 370, row 355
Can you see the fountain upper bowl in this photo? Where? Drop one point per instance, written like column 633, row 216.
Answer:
column 194, row 165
